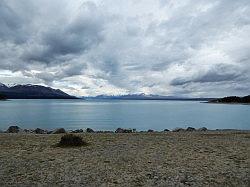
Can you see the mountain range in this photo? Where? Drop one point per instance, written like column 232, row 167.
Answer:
column 30, row 91
column 143, row 96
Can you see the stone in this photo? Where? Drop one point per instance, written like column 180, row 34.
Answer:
column 178, row 130
column 104, row 131
column 190, row 129
column 77, row 131
column 165, row 130
column 59, row 131
column 128, row 130
column 184, row 179
column 150, row 130
column 120, row 130
column 14, row 129
column 202, row 129
column 40, row 131
column 89, row 130
column 26, row 130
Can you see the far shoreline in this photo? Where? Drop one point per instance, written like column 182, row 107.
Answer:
column 226, row 103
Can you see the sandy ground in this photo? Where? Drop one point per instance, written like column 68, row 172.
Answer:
column 214, row 158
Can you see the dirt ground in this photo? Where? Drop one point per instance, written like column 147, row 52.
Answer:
column 212, row 158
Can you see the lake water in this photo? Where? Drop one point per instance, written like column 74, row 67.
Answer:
column 109, row 115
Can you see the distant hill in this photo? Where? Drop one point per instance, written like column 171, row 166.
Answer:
column 143, row 96
column 232, row 99
column 2, row 97
column 32, row 92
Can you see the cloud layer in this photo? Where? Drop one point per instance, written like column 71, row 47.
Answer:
column 168, row 47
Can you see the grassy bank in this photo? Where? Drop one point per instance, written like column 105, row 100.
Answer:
column 217, row 158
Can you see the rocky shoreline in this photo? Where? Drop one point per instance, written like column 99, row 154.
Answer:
column 17, row 129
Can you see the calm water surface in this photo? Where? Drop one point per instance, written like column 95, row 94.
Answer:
column 109, row 115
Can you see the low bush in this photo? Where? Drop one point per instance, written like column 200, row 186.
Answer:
column 71, row 140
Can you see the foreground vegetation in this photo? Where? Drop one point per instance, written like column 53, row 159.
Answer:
column 195, row 158
column 71, row 140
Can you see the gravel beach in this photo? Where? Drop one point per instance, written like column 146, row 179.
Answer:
column 211, row 158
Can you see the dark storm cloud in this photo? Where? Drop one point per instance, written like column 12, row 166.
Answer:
column 9, row 21
column 218, row 73
column 71, row 38
column 15, row 17
column 209, row 77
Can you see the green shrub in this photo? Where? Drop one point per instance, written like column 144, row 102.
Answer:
column 71, row 140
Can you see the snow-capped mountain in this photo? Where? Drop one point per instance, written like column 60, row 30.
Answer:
column 30, row 91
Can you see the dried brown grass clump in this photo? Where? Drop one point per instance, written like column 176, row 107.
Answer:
column 71, row 140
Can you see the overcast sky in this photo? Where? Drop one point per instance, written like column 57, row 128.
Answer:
column 168, row 47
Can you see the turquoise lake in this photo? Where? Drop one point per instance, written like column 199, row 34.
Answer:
column 111, row 114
